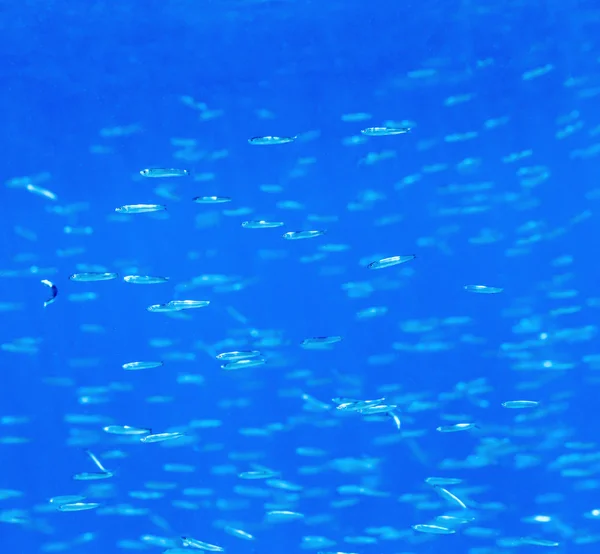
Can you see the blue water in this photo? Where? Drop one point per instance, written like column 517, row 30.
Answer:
column 496, row 184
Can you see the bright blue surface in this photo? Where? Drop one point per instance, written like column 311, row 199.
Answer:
column 71, row 70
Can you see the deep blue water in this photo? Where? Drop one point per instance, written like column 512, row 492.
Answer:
column 76, row 76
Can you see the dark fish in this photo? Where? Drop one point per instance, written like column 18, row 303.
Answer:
column 54, row 290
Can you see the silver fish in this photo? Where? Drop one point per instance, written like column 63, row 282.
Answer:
column 158, row 172
column 140, row 208
column 385, row 131
column 268, row 140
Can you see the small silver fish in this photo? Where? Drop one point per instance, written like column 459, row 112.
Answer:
column 161, row 437
column 243, row 364
column 520, row 404
column 140, row 208
column 315, row 342
column 145, row 279
column 126, row 430
column 455, row 428
column 396, row 418
column 134, row 366
column 298, row 235
column 238, row 533
column 66, row 499
column 92, row 276
column 41, row 192
column 77, row 506
column 385, row 131
column 483, row 289
column 188, row 304
column 433, row 529
column 389, row 262
column 258, row 474
column 200, row 545
column 262, row 224
column 211, row 199
column 238, row 355
column 372, row 409
column 93, row 476
column 268, row 140
column 451, row 498
column 157, row 172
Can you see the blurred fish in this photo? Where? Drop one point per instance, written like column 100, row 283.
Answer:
column 269, row 140
column 385, row 131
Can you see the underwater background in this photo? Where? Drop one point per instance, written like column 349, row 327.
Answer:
column 300, row 276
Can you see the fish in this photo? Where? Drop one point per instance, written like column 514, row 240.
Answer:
column 373, row 338
column 162, row 172
column 53, row 290
column 140, row 208
column 385, row 131
column 391, row 261
column 270, row 140
column 212, row 199
column 300, row 235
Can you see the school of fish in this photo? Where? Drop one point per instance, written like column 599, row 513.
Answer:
column 254, row 433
